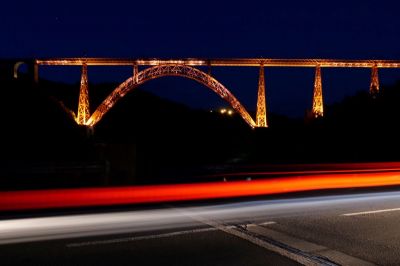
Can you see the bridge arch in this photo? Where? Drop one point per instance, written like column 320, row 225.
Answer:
column 169, row 70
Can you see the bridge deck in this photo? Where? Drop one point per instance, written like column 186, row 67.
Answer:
column 242, row 62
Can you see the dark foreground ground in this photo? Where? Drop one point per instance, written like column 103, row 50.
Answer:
column 207, row 248
column 146, row 139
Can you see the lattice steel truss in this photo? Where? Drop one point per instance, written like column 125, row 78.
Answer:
column 186, row 68
column 318, row 103
column 374, row 87
column 83, row 104
column 169, row 70
column 261, row 115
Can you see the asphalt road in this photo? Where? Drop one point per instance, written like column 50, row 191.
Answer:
column 351, row 229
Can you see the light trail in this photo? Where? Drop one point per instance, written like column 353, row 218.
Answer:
column 61, row 198
column 308, row 169
column 176, row 219
column 310, row 172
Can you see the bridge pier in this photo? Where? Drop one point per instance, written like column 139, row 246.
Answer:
column 16, row 67
column 318, row 103
column 36, row 73
column 261, row 116
column 135, row 72
column 11, row 69
column 86, row 132
column 83, row 104
column 374, row 87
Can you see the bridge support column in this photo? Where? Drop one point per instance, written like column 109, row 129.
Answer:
column 135, row 72
column 83, row 105
column 16, row 67
column 261, row 116
column 318, row 103
column 36, row 73
column 374, row 87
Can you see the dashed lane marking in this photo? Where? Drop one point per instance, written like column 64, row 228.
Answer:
column 268, row 223
column 136, row 238
column 371, row 212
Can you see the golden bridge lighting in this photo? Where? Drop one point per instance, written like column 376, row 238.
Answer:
column 318, row 104
column 83, row 102
column 261, row 114
column 170, row 70
column 185, row 68
column 374, row 87
column 244, row 62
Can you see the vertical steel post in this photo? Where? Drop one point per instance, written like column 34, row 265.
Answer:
column 83, row 104
column 374, row 87
column 36, row 72
column 318, row 102
column 135, row 72
column 261, row 116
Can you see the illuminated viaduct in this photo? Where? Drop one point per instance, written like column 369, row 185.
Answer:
column 189, row 68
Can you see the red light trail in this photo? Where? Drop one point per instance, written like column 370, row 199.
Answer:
column 84, row 197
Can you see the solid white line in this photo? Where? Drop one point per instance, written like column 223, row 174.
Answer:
column 136, row 238
column 371, row 212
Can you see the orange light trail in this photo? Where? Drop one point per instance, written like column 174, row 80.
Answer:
column 84, row 197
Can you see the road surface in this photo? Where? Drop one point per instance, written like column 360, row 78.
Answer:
column 351, row 229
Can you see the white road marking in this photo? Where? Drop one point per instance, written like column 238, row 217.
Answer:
column 370, row 212
column 136, row 238
column 307, row 253
column 257, row 241
column 250, row 225
column 268, row 223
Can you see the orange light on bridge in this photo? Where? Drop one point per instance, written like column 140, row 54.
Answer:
column 172, row 69
column 186, row 68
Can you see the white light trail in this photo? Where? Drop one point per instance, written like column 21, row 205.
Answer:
column 140, row 222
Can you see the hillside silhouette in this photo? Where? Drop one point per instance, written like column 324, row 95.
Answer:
column 147, row 139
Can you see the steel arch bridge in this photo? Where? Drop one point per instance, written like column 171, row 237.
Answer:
column 161, row 71
column 156, row 68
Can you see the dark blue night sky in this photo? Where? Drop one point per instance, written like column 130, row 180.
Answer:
column 212, row 29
